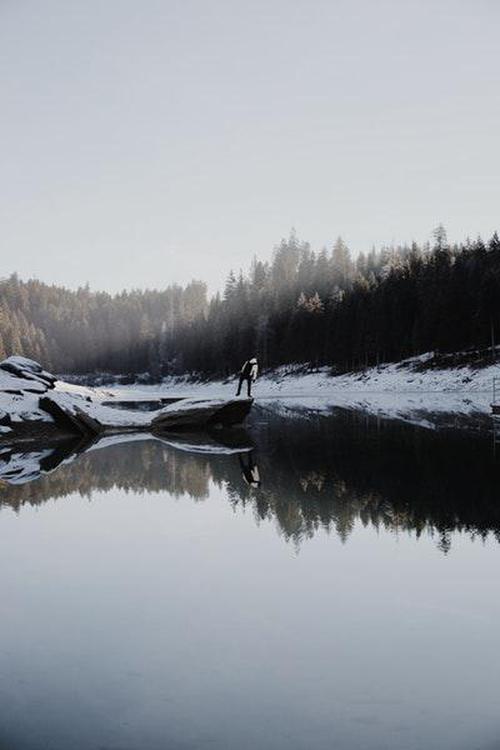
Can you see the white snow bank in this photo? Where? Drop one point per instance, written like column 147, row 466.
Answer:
column 405, row 390
column 401, row 390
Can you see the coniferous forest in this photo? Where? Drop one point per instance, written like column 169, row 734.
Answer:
column 302, row 306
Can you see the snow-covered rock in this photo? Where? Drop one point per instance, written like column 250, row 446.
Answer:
column 22, row 382
column 28, row 369
column 30, row 394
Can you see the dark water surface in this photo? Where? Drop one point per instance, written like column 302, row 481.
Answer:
column 151, row 599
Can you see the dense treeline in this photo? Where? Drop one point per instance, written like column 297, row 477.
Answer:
column 327, row 308
column 83, row 331
column 303, row 306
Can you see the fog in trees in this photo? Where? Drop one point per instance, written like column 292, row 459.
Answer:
column 323, row 307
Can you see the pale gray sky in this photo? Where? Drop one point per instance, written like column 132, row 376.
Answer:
column 148, row 142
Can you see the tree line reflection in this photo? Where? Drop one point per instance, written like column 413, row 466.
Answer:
column 303, row 475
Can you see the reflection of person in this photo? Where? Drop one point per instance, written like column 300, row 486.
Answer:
column 248, row 372
column 249, row 469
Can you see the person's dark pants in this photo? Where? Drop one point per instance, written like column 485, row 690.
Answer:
column 249, row 386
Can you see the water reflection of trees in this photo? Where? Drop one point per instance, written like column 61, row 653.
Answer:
column 326, row 474
column 329, row 474
column 140, row 467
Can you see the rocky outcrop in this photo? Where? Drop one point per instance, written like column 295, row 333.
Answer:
column 29, row 395
column 202, row 412
column 70, row 419
column 87, row 417
column 28, row 369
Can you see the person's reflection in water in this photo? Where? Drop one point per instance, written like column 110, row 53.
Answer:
column 249, row 469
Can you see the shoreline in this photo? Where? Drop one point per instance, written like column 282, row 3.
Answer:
column 403, row 390
column 410, row 391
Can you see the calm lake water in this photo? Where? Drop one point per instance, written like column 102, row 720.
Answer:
column 151, row 598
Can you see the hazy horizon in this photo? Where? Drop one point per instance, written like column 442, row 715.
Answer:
column 218, row 287
column 153, row 144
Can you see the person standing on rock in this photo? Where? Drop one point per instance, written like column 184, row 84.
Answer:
column 248, row 372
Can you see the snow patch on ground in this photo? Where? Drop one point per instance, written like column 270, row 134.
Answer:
column 401, row 390
column 411, row 390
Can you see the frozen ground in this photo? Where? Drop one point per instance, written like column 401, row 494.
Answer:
column 401, row 391
column 407, row 390
column 29, row 394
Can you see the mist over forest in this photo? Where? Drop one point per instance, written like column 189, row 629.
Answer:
column 321, row 307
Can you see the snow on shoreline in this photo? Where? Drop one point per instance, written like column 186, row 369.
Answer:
column 402, row 391
column 412, row 390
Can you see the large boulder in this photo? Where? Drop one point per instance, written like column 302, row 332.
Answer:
column 28, row 369
column 192, row 413
column 68, row 416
